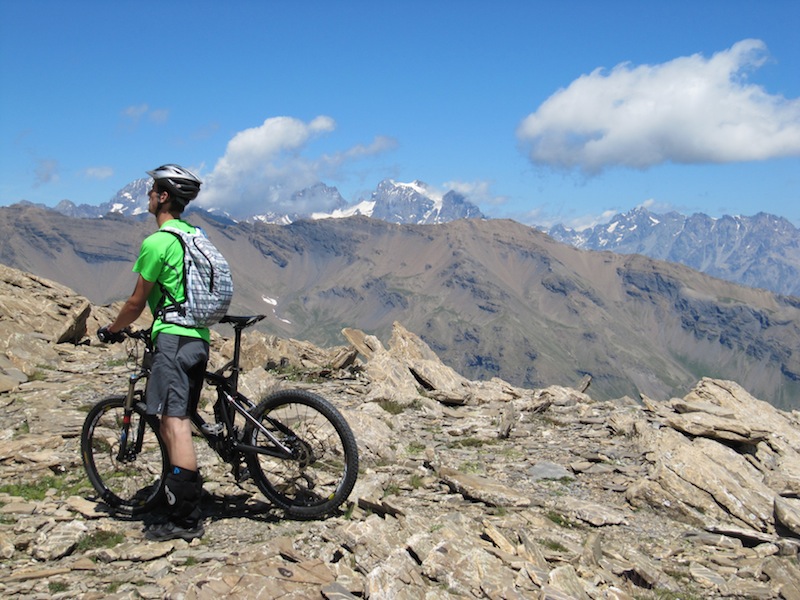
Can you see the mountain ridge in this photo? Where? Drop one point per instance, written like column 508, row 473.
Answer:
column 392, row 201
column 493, row 298
column 758, row 251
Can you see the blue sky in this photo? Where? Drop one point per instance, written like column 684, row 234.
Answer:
column 543, row 112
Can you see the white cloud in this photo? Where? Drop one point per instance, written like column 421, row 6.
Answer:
column 263, row 166
column 137, row 112
column 159, row 115
column 99, row 172
column 47, row 171
column 689, row 110
column 582, row 222
column 542, row 218
column 333, row 162
column 658, row 206
column 477, row 192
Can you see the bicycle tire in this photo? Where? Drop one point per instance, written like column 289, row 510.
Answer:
column 322, row 473
column 135, row 484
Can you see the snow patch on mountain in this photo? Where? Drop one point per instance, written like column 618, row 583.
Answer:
column 363, row 208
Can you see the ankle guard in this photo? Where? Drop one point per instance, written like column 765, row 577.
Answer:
column 183, row 489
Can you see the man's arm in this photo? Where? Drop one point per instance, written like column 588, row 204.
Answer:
column 133, row 306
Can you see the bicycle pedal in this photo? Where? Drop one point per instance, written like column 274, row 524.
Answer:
column 212, row 428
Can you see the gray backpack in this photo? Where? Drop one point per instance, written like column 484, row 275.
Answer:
column 207, row 283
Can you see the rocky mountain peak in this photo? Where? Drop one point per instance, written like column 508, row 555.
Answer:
column 130, row 200
column 418, row 203
column 468, row 488
column 414, row 202
column 761, row 251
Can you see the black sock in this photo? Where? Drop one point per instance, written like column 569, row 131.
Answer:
column 181, row 474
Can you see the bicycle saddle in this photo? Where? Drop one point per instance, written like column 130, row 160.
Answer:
column 242, row 322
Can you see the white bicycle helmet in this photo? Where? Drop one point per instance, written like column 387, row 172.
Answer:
column 182, row 184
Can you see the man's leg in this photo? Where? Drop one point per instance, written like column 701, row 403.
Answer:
column 183, row 485
column 177, row 434
column 175, row 381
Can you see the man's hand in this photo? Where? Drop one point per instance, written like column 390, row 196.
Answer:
column 105, row 335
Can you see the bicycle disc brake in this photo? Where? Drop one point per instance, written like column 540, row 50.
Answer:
column 301, row 451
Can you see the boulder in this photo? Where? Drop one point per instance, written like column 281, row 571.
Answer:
column 408, row 368
column 714, row 460
column 787, row 513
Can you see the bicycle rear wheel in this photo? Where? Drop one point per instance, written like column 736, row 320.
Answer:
column 323, row 468
column 127, row 469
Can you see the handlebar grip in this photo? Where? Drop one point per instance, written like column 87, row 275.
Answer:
column 105, row 335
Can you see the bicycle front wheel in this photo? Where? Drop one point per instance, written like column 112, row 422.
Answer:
column 322, row 469
column 126, row 465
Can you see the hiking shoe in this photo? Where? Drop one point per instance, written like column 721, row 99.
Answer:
column 155, row 520
column 159, row 532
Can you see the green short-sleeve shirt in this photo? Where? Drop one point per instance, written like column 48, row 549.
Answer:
column 161, row 261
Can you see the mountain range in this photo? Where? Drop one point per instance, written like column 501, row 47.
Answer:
column 760, row 251
column 391, row 201
column 491, row 297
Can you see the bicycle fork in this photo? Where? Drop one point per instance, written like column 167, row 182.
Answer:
column 123, row 454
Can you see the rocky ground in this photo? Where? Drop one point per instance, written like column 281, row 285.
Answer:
column 466, row 489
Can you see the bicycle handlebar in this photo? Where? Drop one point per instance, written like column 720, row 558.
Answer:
column 238, row 323
column 140, row 334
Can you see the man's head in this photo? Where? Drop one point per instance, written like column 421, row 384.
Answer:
column 174, row 184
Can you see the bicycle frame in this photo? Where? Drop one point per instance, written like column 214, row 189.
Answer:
column 227, row 390
column 240, row 404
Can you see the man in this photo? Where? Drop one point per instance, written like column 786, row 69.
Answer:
column 181, row 353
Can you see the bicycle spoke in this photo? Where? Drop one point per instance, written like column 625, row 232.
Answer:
column 130, row 479
column 322, row 470
column 312, row 440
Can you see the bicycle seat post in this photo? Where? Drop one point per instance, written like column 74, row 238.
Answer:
column 238, row 323
column 237, row 346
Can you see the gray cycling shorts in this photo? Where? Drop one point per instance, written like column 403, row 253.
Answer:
column 176, row 377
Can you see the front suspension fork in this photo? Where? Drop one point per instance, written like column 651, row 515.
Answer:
column 125, row 453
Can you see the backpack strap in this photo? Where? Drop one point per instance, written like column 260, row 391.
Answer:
column 174, row 306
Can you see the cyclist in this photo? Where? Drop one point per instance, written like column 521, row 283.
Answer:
column 181, row 353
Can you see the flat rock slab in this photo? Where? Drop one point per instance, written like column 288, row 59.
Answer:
column 473, row 487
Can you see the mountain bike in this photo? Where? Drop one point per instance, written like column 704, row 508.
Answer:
column 295, row 445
